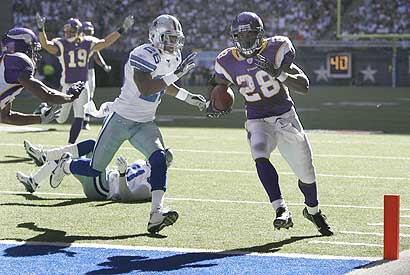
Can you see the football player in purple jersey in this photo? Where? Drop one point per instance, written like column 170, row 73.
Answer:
column 73, row 51
column 17, row 66
column 88, row 30
column 263, row 70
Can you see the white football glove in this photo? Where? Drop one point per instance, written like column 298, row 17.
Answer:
column 76, row 89
column 49, row 113
column 41, row 21
column 127, row 24
column 107, row 68
column 186, row 65
column 122, row 164
column 196, row 100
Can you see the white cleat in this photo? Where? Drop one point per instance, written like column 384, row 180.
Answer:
column 58, row 173
column 35, row 153
column 27, row 181
column 160, row 219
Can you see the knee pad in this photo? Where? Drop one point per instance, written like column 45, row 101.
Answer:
column 158, row 159
column 260, row 151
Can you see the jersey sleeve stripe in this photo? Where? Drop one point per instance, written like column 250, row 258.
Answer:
column 221, row 71
column 143, row 62
column 140, row 67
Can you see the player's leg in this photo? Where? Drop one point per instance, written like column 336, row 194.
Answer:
column 91, row 87
column 147, row 138
column 65, row 108
column 262, row 142
column 78, row 107
column 298, row 154
column 32, row 182
column 96, row 188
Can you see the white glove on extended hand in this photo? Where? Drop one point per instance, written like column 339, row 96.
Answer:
column 186, row 65
column 128, row 22
column 107, row 68
column 41, row 21
column 122, row 164
column 49, row 113
column 76, row 89
column 196, row 100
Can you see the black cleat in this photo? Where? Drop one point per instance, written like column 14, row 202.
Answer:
column 319, row 220
column 283, row 218
column 161, row 219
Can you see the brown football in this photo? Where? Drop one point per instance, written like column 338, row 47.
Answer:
column 222, row 98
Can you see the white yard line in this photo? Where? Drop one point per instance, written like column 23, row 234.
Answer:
column 245, row 153
column 370, row 233
column 188, row 250
column 381, row 224
column 204, row 200
column 347, row 243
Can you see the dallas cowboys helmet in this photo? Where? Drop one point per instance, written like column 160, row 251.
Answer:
column 166, row 33
column 22, row 40
column 88, row 28
column 247, row 33
column 72, row 29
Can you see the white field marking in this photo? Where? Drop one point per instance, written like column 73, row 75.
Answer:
column 347, row 244
column 370, row 233
column 244, row 152
column 404, row 216
column 285, row 173
column 381, row 224
column 206, row 200
column 188, row 250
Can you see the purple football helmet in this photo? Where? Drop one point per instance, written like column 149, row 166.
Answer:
column 72, row 29
column 22, row 40
column 247, row 33
column 88, row 28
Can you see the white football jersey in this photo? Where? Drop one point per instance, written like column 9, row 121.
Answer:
column 136, row 177
column 146, row 58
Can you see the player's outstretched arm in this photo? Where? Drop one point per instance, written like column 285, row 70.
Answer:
column 47, row 115
column 125, row 193
column 295, row 79
column 45, row 43
column 114, row 36
column 42, row 91
column 192, row 99
column 98, row 58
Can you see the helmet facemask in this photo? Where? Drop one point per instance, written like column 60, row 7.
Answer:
column 172, row 42
column 248, row 42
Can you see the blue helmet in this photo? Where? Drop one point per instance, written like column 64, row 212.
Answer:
column 88, row 28
column 247, row 33
column 22, row 40
column 72, row 29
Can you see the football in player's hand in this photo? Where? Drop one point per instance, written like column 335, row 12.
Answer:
column 222, row 98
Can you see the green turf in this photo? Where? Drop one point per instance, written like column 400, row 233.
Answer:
column 218, row 209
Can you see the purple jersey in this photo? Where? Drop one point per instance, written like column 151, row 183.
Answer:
column 12, row 66
column 264, row 95
column 74, row 58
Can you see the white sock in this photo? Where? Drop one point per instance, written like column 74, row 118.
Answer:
column 279, row 203
column 66, row 167
column 55, row 154
column 312, row 210
column 157, row 201
column 44, row 172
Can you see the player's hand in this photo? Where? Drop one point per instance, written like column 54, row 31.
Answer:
column 76, row 89
column 122, row 164
column 196, row 100
column 49, row 113
column 41, row 21
column 127, row 24
column 107, row 68
column 186, row 65
column 211, row 113
column 264, row 64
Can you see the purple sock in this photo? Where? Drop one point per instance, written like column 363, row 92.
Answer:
column 309, row 190
column 269, row 178
column 75, row 129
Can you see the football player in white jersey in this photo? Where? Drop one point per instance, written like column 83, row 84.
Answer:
column 150, row 72
column 17, row 66
column 126, row 183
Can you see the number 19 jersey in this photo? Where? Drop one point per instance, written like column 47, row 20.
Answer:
column 131, row 104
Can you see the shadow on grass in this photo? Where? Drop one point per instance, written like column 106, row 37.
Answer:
column 15, row 159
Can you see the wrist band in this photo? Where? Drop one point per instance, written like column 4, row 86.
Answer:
column 282, row 77
column 182, row 94
column 120, row 30
column 170, row 78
